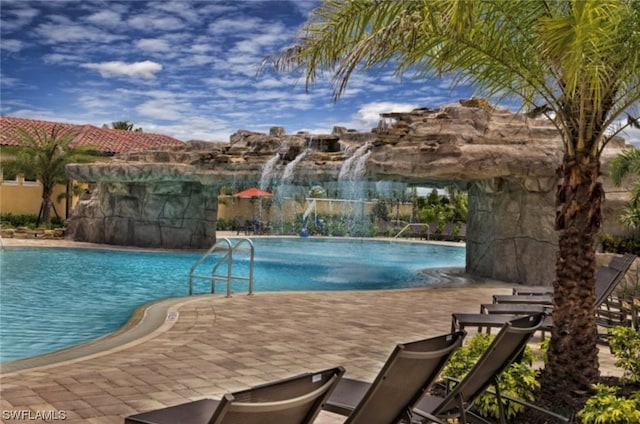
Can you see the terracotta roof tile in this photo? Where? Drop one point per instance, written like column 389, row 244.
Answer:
column 106, row 140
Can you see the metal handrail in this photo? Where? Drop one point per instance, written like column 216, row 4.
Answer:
column 406, row 227
column 228, row 258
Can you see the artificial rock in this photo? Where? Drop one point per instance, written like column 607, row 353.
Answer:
column 507, row 163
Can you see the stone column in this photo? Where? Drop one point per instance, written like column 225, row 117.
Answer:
column 510, row 230
column 160, row 214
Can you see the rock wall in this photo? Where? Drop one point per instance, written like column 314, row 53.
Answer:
column 165, row 214
column 506, row 161
column 510, row 231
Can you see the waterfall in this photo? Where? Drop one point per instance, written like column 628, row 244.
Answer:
column 268, row 171
column 356, row 163
column 287, row 175
column 360, row 166
column 352, row 170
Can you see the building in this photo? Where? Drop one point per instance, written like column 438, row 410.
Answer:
column 20, row 196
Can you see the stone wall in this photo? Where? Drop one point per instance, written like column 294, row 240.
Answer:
column 510, row 231
column 165, row 214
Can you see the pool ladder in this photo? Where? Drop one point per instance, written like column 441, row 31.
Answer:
column 228, row 259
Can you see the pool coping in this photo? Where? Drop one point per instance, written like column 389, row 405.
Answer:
column 147, row 321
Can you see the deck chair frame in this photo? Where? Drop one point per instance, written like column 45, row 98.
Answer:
column 295, row 400
column 408, row 372
column 506, row 347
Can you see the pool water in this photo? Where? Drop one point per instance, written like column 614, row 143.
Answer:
column 53, row 298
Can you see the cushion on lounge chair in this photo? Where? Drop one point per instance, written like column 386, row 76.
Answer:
column 295, row 400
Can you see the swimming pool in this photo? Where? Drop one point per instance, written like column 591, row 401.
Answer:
column 53, row 298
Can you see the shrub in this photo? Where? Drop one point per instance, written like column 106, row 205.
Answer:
column 13, row 221
column 625, row 346
column 9, row 220
column 57, row 222
column 618, row 244
column 519, row 380
column 607, row 408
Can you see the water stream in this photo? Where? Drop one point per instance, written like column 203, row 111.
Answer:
column 268, row 171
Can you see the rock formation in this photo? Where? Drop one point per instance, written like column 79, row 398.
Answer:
column 507, row 162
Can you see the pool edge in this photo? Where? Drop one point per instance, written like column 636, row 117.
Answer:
column 146, row 322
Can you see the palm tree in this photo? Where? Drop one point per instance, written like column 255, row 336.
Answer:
column 124, row 126
column 43, row 155
column 628, row 163
column 576, row 61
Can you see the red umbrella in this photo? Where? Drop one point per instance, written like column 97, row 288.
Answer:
column 253, row 192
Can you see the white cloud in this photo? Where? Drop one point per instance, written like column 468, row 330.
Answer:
column 146, row 69
column 18, row 18
column 368, row 116
column 164, row 109
column 105, row 18
column 153, row 45
column 632, row 135
column 8, row 81
column 61, row 29
column 60, row 58
column 183, row 9
column 10, row 45
column 156, row 22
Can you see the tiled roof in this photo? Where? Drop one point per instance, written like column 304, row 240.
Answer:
column 105, row 140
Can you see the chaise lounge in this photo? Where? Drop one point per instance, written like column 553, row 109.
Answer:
column 508, row 307
column 506, row 347
column 408, row 372
column 295, row 400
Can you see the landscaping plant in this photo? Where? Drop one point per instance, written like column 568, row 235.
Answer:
column 607, row 408
column 625, row 346
column 518, row 381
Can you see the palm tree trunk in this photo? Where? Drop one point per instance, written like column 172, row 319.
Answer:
column 573, row 354
column 46, row 204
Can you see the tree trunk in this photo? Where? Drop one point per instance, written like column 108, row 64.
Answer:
column 46, row 204
column 572, row 363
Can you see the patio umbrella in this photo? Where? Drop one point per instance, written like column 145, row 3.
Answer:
column 253, row 193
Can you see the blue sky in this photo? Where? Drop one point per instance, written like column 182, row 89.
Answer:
column 182, row 68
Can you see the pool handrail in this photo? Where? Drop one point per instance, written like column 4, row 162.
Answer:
column 227, row 257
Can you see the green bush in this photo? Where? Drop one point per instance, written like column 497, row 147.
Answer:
column 618, row 244
column 607, row 408
column 13, row 221
column 625, row 346
column 57, row 222
column 224, row 224
column 519, row 380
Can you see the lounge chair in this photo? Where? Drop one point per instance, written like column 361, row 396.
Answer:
column 505, row 348
column 496, row 314
column 295, row 400
column 532, row 290
column 461, row 321
column 407, row 374
column 618, row 265
column 607, row 278
column 526, row 299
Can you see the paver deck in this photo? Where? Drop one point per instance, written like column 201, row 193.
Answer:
column 219, row 344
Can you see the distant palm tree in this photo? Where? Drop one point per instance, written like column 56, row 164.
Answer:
column 626, row 164
column 125, row 126
column 580, row 59
column 43, row 155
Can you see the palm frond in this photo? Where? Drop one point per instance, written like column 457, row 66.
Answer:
column 624, row 164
